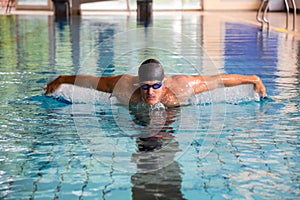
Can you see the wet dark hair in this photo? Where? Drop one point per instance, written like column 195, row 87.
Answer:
column 151, row 70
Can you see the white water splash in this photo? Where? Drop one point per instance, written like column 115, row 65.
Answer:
column 236, row 94
column 79, row 95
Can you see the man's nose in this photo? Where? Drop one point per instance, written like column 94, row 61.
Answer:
column 150, row 90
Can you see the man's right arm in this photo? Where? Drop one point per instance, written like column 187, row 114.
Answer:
column 104, row 83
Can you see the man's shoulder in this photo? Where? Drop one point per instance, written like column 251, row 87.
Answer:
column 130, row 77
column 176, row 77
column 127, row 80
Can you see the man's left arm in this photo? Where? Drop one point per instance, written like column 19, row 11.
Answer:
column 237, row 79
column 204, row 83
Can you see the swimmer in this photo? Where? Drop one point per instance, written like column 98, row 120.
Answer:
column 152, row 86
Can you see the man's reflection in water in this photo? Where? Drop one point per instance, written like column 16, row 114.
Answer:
column 158, row 174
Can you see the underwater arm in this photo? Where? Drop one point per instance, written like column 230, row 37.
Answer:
column 104, row 84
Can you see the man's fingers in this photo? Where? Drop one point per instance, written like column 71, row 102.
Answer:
column 49, row 89
column 261, row 90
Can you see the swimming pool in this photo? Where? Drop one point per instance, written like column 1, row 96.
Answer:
column 217, row 150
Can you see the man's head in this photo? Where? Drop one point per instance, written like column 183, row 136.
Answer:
column 151, row 76
column 151, row 70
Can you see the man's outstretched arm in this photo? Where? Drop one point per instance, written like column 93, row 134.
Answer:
column 204, row 83
column 104, row 83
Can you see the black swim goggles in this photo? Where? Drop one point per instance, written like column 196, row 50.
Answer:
column 155, row 86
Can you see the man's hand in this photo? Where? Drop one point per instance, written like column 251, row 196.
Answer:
column 259, row 87
column 53, row 85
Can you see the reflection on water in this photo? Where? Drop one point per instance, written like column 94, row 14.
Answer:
column 161, row 184
column 158, row 173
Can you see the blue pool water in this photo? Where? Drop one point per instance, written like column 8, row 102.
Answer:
column 225, row 145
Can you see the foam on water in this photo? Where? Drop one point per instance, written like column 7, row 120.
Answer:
column 78, row 95
column 235, row 94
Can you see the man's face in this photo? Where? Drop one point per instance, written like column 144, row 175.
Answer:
column 151, row 91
